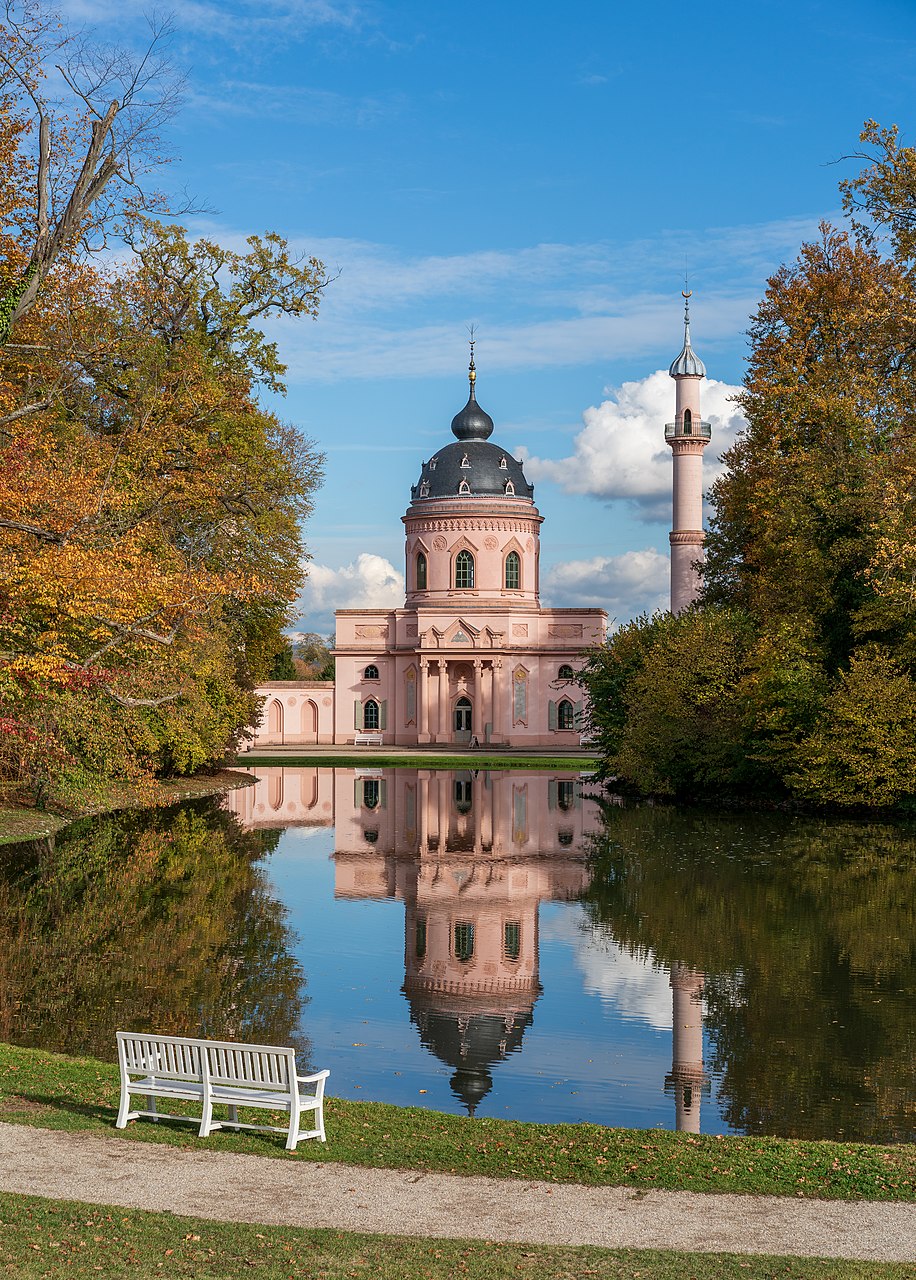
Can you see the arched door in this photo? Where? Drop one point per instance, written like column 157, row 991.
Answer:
column 463, row 720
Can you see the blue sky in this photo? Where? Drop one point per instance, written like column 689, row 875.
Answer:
column 544, row 172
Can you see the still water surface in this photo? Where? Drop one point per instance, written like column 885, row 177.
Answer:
column 498, row 943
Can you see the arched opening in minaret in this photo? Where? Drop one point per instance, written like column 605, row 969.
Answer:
column 688, row 423
column 421, row 571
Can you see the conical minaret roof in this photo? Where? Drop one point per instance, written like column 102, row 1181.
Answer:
column 688, row 364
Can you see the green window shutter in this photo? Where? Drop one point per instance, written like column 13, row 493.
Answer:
column 357, row 793
column 552, row 791
column 578, row 714
column 357, row 714
column 551, row 715
column 383, row 714
column 383, row 793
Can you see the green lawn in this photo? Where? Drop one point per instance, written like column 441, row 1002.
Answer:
column 424, row 760
column 56, row 1092
column 41, row 1238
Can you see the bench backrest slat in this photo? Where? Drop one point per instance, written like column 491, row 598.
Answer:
column 265, row 1067
column 162, row 1056
column 182, row 1058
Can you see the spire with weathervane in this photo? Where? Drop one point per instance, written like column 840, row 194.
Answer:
column 688, row 436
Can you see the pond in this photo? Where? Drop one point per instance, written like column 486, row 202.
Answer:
column 492, row 943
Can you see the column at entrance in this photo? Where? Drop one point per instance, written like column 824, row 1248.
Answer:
column 476, row 695
column 444, row 728
column 424, row 700
column 499, row 715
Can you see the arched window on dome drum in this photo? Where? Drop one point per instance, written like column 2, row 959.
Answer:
column 464, row 569
column 566, row 716
column 688, row 423
column 513, row 571
column 371, row 719
column 421, row 571
column 370, row 673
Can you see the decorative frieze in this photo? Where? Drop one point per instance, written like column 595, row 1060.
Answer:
column 564, row 630
column 371, row 632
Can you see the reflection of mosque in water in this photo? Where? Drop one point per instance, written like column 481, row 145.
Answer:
column 471, row 855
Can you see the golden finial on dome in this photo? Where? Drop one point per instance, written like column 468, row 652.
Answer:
column 472, row 371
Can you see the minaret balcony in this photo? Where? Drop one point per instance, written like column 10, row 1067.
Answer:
column 678, row 430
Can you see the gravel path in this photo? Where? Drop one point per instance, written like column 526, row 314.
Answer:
column 242, row 1188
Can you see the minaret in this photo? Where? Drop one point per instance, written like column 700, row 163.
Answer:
column 687, row 1080
column 688, row 436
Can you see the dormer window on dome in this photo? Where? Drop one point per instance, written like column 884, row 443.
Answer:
column 464, row 487
column 509, row 487
column 432, row 463
column 465, row 461
column 424, row 488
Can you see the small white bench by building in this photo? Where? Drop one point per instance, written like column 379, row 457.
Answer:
column 368, row 739
column 219, row 1073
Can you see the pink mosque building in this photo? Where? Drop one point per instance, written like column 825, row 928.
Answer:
column 473, row 656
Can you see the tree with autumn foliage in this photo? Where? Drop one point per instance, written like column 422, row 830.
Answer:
column 150, row 507
column 811, row 553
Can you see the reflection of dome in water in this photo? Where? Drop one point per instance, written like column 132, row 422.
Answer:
column 471, row 1043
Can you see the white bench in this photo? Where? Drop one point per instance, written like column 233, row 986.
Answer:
column 368, row 740
column 218, row 1073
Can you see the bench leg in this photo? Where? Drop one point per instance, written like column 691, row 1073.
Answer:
column 206, row 1119
column 123, row 1109
column 151, row 1106
column 293, row 1136
column 233, row 1114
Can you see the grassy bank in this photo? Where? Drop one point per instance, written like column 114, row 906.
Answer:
column 35, row 824
column 422, row 760
column 56, row 1092
column 48, row 1238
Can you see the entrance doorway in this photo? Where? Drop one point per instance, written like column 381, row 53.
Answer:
column 463, row 721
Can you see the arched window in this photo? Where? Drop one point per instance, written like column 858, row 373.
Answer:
column 513, row 571
column 464, row 569
column 463, row 795
column 371, row 717
column 424, row 488
column 371, row 672
column 688, row 423
column 565, row 837
column 464, row 487
column 371, row 793
column 566, row 716
column 421, row 571
column 566, row 672
column 370, row 835
column 509, row 488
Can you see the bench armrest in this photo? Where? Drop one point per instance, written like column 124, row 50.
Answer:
column 318, row 1075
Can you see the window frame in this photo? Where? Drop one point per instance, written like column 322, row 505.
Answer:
column 465, row 567
column 512, row 557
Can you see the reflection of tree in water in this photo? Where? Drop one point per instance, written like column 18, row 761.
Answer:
column 806, row 931
column 155, row 920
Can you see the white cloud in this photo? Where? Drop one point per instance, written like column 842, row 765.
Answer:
column 639, row 988
column 621, row 452
column 625, row 585
column 369, row 582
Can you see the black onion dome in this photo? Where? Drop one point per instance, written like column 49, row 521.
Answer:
column 472, row 423
column 472, row 468
column 471, row 1046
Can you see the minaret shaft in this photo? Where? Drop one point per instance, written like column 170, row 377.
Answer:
column 688, row 436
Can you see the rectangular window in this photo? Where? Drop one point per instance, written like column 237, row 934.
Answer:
column 464, row 941
column 512, row 939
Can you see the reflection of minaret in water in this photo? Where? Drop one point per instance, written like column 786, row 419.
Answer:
column 687, row 1080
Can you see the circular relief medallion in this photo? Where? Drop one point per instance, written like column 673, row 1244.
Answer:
column 325, row 702
column 530, row 544
column 290, row 702
column 491, row 543
column 439, row 543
